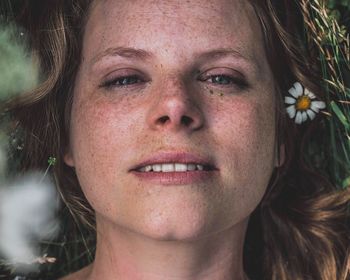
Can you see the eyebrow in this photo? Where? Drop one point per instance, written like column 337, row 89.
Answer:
column 223, row 52
column 139, row 54
column 123, row 52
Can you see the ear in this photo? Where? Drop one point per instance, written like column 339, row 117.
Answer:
column 280, row 156
column 68, row 158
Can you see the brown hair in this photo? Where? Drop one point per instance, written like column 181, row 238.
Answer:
column 299, row 230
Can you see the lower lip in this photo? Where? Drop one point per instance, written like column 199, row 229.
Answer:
column 175, row 178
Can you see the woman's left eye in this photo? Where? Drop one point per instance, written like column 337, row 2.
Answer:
column 225, row 80
column 220, row 79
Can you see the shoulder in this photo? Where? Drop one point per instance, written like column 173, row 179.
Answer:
column 78, row 275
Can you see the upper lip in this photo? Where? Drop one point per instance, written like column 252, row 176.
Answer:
column 175, row 157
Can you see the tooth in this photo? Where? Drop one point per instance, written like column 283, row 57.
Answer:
column 168, row 167
column 157, row 167
column 148, row 168
column 191, row 167
column 200, row 167
column 180, row 167
column 172, row 167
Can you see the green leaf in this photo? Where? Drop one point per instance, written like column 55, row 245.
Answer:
column 340, row 115
column 346, row 183
column 51, row 161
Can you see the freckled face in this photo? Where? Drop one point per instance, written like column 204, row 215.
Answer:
column 157, row 76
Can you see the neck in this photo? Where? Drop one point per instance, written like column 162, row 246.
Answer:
column 124, row 255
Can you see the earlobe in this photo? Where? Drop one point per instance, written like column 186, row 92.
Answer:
column 280, row 156
column 68, row 159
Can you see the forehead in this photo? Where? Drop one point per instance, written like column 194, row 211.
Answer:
column 166, row 26
column 171, row 8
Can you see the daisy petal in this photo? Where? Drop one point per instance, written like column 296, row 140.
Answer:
column 291, row 111
column 309, row 94
column 314, row 108
column 294, row 92
column 304, row 116
column 298, row 88
column 319, row 104
column 298, row 118
column 311, row 114
column 289, row 100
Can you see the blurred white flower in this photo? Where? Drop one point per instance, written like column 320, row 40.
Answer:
column 27, row 216
column 302, row 104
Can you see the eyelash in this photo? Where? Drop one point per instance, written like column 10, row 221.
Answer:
column 116, row 82
column 228, row 81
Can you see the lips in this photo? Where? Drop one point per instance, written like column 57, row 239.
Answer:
column 174, row 169
column 175, row 162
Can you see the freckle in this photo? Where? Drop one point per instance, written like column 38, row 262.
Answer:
column 221, row 94
column 211, row 91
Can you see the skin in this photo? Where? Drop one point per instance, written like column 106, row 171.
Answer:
column 190, row 231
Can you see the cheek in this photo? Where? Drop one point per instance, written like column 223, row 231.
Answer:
column 246, row 124
column 98, row 140
column 102, row 127
column 247, row 147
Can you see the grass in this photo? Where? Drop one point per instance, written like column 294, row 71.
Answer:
column 328, row 24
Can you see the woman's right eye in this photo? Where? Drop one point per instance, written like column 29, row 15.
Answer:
column 123, row 81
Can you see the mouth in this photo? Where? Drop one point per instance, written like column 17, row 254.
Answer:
column 175, row 162
column 175, row 167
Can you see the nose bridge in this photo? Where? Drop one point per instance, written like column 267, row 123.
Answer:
column 175, row 89
column 175, row 106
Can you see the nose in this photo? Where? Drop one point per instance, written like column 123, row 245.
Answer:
column 175, row 108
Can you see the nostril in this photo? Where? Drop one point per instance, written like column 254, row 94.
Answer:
column 186, row 120
column 163, row 119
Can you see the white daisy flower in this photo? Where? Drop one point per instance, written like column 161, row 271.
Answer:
column 302, row 104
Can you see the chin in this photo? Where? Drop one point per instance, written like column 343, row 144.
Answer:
column 176, row 226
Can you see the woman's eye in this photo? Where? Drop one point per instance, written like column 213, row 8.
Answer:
column 220, row 79
column 122, row 81
column 226, row 80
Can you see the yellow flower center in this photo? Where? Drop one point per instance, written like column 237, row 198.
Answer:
column 303, row 103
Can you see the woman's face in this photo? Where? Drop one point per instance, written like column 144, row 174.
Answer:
column 170, row 86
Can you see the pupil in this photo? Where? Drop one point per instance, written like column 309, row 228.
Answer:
column 129, row 80
column 221, row 80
